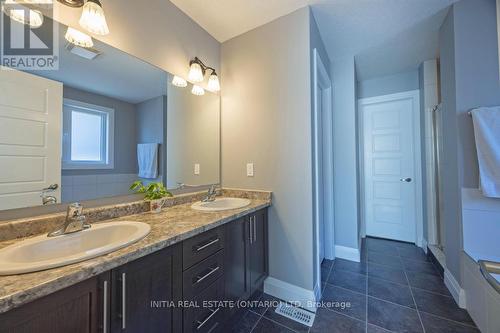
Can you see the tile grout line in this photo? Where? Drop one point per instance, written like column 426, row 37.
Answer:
column 366, row 297
column 415, row 302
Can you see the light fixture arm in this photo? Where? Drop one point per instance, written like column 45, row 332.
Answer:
column 204, row 67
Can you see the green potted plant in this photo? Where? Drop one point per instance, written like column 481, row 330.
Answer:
column 155, row 193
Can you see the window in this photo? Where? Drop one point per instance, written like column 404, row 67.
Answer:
column 88, row 133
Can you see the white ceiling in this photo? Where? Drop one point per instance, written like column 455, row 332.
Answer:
column 225, row 19
column 386, row 36
column 114, row 73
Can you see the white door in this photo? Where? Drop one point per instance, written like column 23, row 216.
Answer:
column 30, row 138
column 389, row 167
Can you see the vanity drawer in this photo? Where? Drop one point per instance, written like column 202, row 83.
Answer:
column 203, row 274
column 208, row 316
column 202, row 246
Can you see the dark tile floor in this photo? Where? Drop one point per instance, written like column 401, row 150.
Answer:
column 394, row 289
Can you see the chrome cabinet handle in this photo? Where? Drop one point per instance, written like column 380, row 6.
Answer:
column 250, row 230
column 202, row 323
column 199, row 248
column 254, row 229
column 487, row 268
column 124, row 301
column 406, row 180
column 105, row 309
column 201, row 278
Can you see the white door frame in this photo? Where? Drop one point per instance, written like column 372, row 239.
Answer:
column 415, row 96
column 322, row 79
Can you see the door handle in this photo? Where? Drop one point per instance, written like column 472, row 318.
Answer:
column 406, row 180
column 251, row 230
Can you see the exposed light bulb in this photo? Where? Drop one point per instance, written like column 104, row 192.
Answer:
column 213, row 83
column 78, row 38
column 93, row 18
column 197, row 90
column 179, row 82
column 195, row 72
column 22, row 14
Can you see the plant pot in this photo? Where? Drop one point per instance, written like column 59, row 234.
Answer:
column 156, row 205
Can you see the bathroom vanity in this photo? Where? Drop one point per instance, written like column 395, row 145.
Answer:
column 159, row 284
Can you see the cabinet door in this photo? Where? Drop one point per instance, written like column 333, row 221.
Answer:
column 77, row 309
column 258, row 249
column 143, row 292
column 237, row 272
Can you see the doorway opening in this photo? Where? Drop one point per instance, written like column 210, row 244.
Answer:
column 391, row 167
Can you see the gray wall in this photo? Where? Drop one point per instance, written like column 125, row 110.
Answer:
column 469, row 78
column 156, row 31
column 150, row 121
column 125, row 155
column 266, row 119
column 387, row 85
column 451, row 207
column 345, row 153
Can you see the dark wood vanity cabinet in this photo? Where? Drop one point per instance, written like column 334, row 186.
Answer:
column 227, row 263
column 76, row 309
column 246, row 256
column 144, row 291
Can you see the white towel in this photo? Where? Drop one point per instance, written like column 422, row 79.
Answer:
column 487, row 134
column 147, row 157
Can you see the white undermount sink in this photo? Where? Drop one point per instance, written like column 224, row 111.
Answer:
column 220, row 204
column 42, row 252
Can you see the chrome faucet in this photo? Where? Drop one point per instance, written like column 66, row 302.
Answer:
column 75, row 221
column 212, row 193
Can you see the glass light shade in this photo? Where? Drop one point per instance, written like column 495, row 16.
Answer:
column 179, row 82
column 197, row 90
column 195, row 73
column 213, row 83
column 93, row 19
column 78, row 38
column 17, row 12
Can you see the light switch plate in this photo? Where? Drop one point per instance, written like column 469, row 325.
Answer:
column 196, row 168
column 249, row 169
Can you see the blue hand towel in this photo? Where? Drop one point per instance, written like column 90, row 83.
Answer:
column 147, row 157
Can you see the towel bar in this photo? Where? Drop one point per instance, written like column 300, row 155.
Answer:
column 487, row 268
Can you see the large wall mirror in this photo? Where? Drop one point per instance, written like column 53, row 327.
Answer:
column 101, row 121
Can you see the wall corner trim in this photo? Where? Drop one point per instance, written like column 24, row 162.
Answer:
column 456, row 291
column 347, row 253
column 291, row 293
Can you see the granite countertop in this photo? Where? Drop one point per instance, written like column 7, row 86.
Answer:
column 172, row 225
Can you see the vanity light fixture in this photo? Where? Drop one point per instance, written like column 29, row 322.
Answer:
column 23, row 13
column 197, row 71
column 179, row 82
column 93, row 18
column 78, row 38
column 197, row 90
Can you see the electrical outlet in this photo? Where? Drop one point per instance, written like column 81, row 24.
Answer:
column 249, row 169
column 196, row 168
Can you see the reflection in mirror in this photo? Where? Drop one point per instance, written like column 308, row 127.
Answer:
column 98, row 123
column 192, row 138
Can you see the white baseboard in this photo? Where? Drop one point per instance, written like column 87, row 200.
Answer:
column 292, row 293
column 456, row 291
column 347, row 253
column 424, row 245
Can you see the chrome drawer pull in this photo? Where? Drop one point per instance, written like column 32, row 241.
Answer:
column 202, row 323
column 201, row 278
column 124, row 301
column 199, row 248
column 105, row 308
